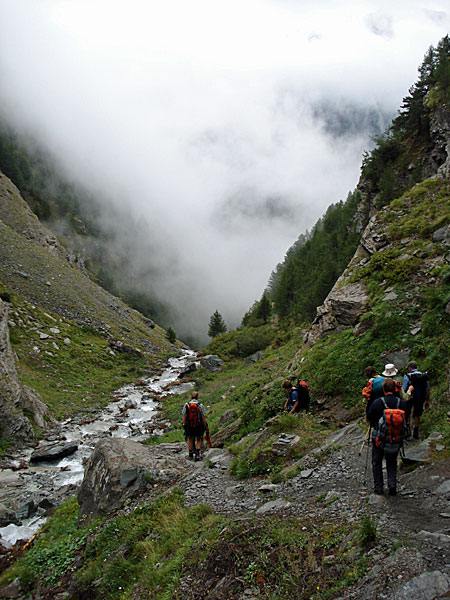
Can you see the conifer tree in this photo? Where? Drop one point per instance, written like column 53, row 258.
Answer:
column 264, row 308
column 216, row 325
column 171, row 335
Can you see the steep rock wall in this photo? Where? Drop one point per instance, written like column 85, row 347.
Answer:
column 15, row 399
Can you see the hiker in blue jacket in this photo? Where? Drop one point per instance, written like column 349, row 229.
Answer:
column 292, row 400
column 416, row 383
column 374, row 413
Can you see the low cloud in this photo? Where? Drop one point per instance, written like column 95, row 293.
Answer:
column 380, row 24
column 220, row 130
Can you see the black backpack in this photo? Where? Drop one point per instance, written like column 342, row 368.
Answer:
column 419, row 382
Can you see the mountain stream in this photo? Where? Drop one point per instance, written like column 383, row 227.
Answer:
column 29, row 487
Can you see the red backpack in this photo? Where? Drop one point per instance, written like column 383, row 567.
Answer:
column 193, row 414
column 391, row 429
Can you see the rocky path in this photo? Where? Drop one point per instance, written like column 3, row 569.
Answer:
column 333, row 484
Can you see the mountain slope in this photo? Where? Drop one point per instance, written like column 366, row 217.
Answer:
column 75, row 342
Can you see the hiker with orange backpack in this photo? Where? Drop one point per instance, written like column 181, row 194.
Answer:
column 195, row 425
column 386, row 416
column 297, row 396
column 374, row 387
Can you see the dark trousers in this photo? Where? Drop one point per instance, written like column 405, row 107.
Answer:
column 377, row 468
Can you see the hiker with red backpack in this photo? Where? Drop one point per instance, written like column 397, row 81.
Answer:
column 195, row 425
column 297, row 396
column 386, row 417
column 417, row 384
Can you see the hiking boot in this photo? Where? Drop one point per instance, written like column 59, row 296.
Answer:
column 416, row 433
column 378, row 492
column 197, row 456
column 191, row 454
column 392, row 491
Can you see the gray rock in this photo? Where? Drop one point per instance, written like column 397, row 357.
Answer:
column 283, row 445
column 421, row 452
column 426, row 586
column 375, row 499
column 306, row 473
column 442, row 234
column 219, row 438
column 254, row 358
column 12, row 590
column 211, row 362
column 399, row 359
column 268, row 487
column 442, row 538
column 274, row 505
column 7, row 515
column 51, row 452
column 443, row 489
column 119, row 469
column 342, row 308
column 390, row 296
column 228, row 416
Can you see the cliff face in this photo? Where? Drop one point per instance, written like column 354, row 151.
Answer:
column 15, row 399
column 349, row 299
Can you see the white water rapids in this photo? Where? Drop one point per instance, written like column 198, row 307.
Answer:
column 114, row 420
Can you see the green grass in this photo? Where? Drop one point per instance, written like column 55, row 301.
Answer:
column 75, row 376
column 147, row 553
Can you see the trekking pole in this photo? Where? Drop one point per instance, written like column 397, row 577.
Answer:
column 366, row 439
column 367, row 455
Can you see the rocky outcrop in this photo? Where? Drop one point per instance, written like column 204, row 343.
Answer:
column 15, row 399
column 342, row 308
column 16, row 213
column 120, row 469
column 439, row 158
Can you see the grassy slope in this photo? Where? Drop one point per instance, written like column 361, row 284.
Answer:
column 46, row 291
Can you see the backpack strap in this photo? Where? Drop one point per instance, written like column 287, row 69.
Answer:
column 384, row 402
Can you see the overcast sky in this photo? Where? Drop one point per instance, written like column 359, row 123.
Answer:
column 218, row 124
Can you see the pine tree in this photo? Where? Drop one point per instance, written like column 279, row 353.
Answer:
column 216, row 325
column 264, row 308
column 171, row 335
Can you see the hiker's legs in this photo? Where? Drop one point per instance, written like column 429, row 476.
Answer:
column 409, row 407
column 391, row 469
column 418, row 411
column 377, row 469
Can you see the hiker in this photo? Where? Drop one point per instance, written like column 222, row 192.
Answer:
column 374, row 387
column 417, row 385
column 195, row 425
column 297, row 396
column 389, row 405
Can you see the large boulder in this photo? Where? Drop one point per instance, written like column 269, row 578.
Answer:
column 211, row 362
column 342, row 308
column 120, row 469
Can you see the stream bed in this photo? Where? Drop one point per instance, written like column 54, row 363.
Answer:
column 32, row 484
